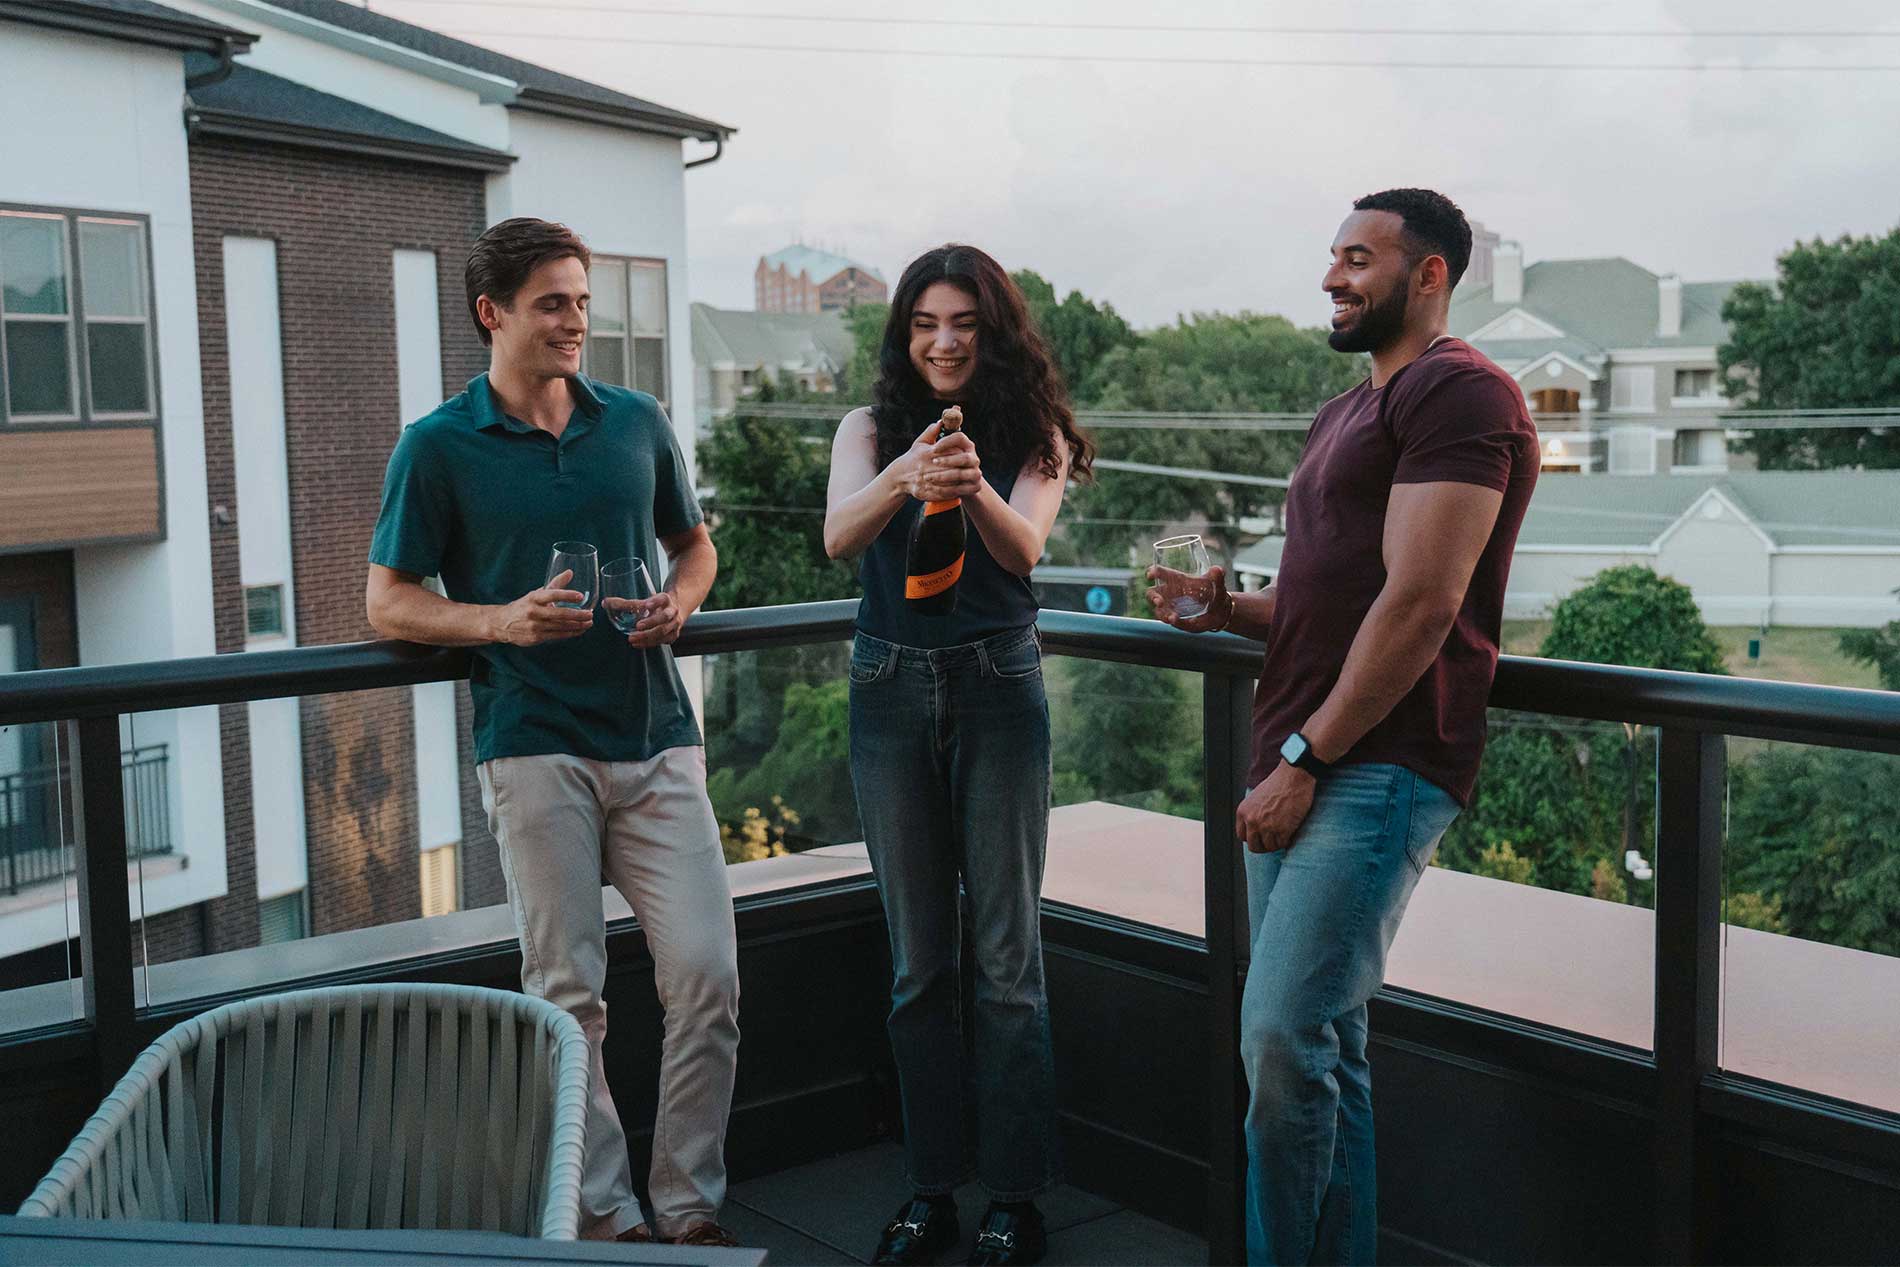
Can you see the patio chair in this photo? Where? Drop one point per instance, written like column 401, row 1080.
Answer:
column 370, row 1106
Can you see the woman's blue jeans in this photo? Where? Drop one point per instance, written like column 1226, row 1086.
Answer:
column 1323, row 914
column 950, row 760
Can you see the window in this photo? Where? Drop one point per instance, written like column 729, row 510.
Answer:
column 626, row 324
column 1701, row 448
column 75, row 317
column 263, row 611
column 440, row 894
column 282, row 918
column 1696, row 385
column 1633, row 387
column 1632, row 451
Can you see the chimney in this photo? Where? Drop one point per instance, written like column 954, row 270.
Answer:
column 1669, row 305
column 1507, row 281
column 1484, row 246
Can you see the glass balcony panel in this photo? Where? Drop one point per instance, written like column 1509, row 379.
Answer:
column 1540, row 900
column 39, row 914
column 1811, row 920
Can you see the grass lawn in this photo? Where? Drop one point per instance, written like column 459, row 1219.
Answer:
column 1788, row 654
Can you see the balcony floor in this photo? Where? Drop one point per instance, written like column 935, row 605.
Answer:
column 830, row 1212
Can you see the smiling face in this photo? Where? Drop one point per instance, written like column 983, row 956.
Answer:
column 1370, row 282
column 539, row 332
column 943, row 334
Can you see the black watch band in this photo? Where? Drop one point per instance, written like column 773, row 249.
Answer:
column 1298, row 752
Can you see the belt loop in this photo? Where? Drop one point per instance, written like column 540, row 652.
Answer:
column 983, row 656
column 892, row 651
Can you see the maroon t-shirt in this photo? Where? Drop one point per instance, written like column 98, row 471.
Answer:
column 1449, row 416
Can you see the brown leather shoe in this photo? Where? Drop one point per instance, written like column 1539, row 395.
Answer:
column 707, row 1233
column 641, row 1235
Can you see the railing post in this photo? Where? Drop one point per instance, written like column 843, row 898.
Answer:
column 1691, row 778
column 105, row 911
column 1226, row 718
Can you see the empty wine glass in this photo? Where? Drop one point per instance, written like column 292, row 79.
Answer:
column 627, row 592
column 584, row 562
column 1188, row 556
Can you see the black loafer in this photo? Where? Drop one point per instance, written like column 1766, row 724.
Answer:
column 1010, row 1236
column 921, row 1231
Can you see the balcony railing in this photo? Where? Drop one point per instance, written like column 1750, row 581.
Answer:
column 1693, row 1107
column 35, row 845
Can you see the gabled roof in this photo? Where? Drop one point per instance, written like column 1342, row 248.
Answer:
column 548, row 91
column 135, row 21
column 1630, row 512
column 821, row 265
column 254, row 105
column 1611, row 303
column 751, row 339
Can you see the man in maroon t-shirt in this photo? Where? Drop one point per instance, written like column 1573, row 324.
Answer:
column 1369, row 723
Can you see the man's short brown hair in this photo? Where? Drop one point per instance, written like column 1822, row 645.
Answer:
column 504, row 257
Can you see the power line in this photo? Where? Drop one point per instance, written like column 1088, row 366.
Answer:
column 1159, row 60
column 1171, row 28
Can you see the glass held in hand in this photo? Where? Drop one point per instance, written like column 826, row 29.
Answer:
column 1187, row 555
column 627, row 592
column 584, row 562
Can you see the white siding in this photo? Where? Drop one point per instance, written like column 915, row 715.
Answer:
column 253, row 330
column 419, row 383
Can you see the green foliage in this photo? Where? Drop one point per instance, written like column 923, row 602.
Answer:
column 768, row 477
column 1824, row 336
column 1630, row 615
column 1079, row 331
column 1243, row 363
column 1878, row 647
column 1816, row 832
column 865, row 324
column 1752, row 910
column 808, row 764
column 1500, row 862
column 754, row 836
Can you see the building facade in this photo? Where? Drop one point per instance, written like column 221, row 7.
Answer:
column 806, row 279
column 1618, row 364
column 736, row 351
column 304, row 220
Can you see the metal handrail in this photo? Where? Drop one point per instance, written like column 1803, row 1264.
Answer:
column 1826, row 715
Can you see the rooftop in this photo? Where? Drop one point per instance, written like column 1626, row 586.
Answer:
column 745, row 339
column 819, row 265
column 1596, row 305
column 138, row 21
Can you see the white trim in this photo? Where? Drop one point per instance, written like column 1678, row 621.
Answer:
column 1875, row 550
column 1603, row 549
column 1493, row 329
column 1697, row 402
column 489, row 89
column 1589, row 374
column 1718, row 495
column 1698, row 470
column 1663, row 356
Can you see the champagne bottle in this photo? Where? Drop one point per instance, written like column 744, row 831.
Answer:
column 934, row 561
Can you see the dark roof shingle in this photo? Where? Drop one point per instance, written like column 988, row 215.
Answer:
column 139, row 21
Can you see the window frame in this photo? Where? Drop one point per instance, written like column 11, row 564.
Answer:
column 79, row 354
column 631, row 335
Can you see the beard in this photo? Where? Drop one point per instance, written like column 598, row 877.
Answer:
column 1378, row 325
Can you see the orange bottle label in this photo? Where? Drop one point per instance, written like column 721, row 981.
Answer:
column 931, row 584
column 938, row 508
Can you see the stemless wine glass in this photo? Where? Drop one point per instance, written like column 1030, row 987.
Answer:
column 1188, row 556
column 626, row 591
column 584, row 561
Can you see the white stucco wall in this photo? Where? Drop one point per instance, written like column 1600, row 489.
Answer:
column 120, row 147
column 1724, row 560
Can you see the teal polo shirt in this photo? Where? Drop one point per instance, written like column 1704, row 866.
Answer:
column 479, row 498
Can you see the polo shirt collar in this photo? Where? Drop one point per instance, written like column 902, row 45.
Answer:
column 484, row 412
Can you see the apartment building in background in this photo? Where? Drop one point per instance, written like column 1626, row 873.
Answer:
column 1617, row 363
column 229, row 276
column 806, row 279
column 735, row 351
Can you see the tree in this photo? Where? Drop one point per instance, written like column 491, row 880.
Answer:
column 1631, row 615
column 804, row 776
column 1209, row 362
column 1878, row 647
column 865, row 324
column 1824, row 336
column 1079, row 331
column 1572, row 798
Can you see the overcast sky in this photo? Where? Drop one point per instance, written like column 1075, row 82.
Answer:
column 1185, row 184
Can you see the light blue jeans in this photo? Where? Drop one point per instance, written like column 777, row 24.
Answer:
column 1322, row 916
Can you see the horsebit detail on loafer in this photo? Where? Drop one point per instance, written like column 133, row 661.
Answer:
column 995, row 1240
column 905, row 1225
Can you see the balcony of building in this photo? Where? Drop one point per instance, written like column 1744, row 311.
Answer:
column 1558, row 1077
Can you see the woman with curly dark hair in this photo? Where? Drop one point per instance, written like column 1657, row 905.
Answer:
column 950, row 729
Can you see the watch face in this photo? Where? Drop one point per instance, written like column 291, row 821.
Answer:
column 1294, row 748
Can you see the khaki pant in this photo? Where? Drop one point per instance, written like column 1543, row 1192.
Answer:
column 565, row 822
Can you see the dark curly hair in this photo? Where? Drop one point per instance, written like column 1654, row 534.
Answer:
column 1433, row 226
column 1017, row 406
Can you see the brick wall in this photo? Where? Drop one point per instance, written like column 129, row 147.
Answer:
column 335, row 219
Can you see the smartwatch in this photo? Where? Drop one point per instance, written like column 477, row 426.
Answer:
column 1299, row 754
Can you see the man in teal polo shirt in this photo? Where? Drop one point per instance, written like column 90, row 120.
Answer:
column 590, row 760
